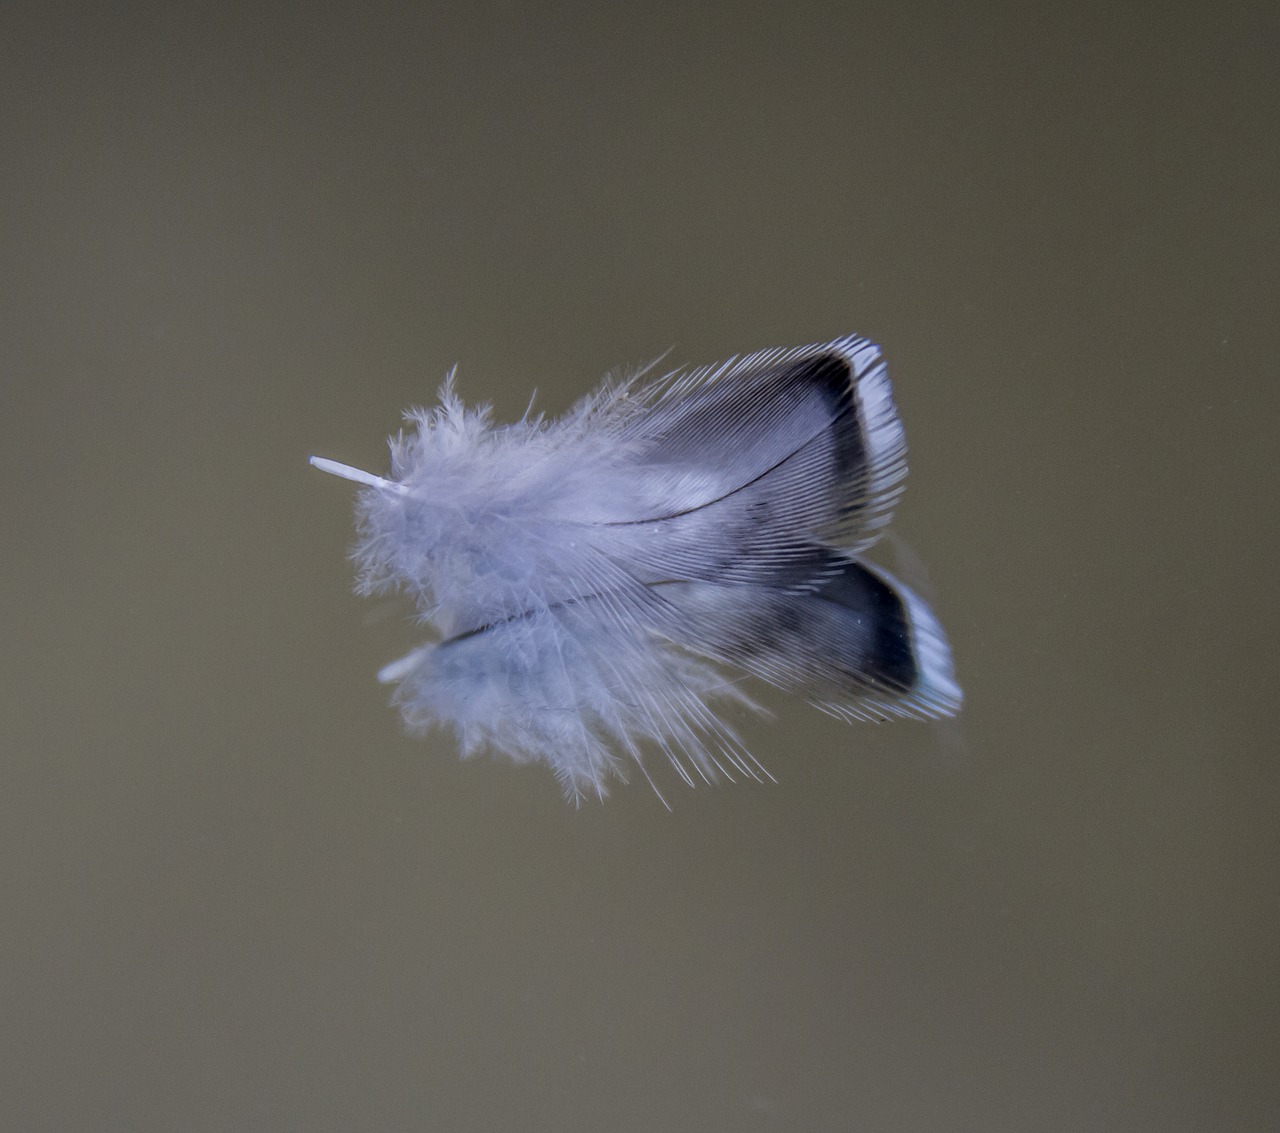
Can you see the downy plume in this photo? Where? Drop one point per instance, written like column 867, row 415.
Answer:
column 598, row 586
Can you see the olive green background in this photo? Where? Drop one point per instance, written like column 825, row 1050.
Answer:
column 237, row 897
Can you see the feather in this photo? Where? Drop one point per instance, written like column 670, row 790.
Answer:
column 598, row 585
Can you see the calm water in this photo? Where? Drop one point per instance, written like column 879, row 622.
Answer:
column 238, row 897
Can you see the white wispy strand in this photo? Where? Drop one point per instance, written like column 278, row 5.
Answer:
column 593, row 582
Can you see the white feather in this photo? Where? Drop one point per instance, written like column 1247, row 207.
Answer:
column 593, row 582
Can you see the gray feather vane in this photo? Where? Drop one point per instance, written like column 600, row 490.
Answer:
column 598, row 585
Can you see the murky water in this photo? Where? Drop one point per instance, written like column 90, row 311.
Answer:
column 238, row 897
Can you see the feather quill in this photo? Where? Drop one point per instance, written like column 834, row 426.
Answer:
column 597, row 585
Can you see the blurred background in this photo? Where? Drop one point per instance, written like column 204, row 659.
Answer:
column 237, row 896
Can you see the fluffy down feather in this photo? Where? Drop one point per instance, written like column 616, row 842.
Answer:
column 597, row 585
